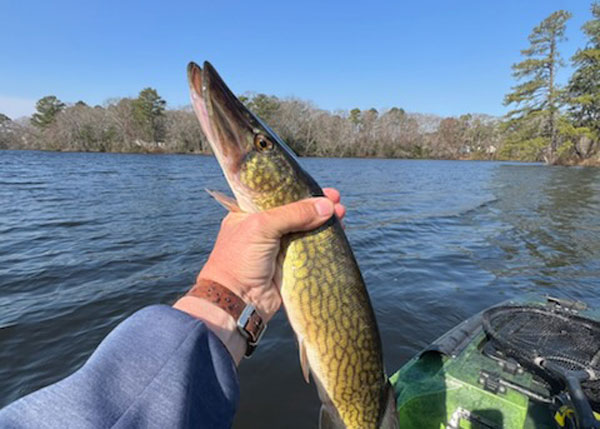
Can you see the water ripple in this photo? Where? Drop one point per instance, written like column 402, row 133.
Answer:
column 89, row 238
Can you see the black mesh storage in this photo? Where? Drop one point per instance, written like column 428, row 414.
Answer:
column 531, row 333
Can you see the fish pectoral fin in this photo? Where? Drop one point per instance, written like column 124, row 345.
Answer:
column 229, row 203
column 304, row 360
column 389, row 420
column 329, row 418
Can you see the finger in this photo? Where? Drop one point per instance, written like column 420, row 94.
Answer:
column 333, row 194
column 298, row 216
column 340, row 211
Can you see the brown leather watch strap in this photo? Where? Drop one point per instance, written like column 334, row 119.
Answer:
column 218, row 295
column 248, row 321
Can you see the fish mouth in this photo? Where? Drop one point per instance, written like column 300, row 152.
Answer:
column 226, row 122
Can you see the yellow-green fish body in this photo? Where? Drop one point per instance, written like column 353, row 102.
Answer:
column 322, row 289
column 329, row 309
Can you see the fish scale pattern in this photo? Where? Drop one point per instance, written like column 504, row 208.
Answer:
column 329, row 308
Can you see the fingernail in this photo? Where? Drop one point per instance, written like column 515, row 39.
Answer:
column 324, row 207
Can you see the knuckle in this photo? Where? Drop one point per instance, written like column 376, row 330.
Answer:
column 308, row 210
column 255, row 222
column 305, row 213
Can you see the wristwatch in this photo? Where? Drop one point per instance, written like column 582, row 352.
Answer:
column 249, row 323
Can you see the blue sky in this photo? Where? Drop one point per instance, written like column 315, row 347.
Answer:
column 441, row 57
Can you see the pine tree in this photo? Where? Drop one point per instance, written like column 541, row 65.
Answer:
column 354, row 116
column 148, row 111
column 537, row 99
column 583, row 90
column 47, row 109
column 264, row 106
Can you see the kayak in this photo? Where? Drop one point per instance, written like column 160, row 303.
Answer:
column 472, row 378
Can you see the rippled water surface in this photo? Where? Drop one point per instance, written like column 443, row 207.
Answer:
column 87, row 239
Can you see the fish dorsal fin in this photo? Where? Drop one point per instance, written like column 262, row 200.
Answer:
column 229, row 203
column 329, row 419
column 304, row 360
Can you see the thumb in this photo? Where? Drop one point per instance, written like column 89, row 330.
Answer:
column 301, row 215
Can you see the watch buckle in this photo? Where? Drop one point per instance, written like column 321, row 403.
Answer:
column 242, row 325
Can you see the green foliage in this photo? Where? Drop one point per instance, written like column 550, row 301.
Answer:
column 522, row 140
column 264, row 106
column 354, row 116
column 538, row 96
column 47, row 109
column 576, row 140
column 419, row 152
column 523, row 149
column 4, row 118
column 148, row 111
column 583, row 90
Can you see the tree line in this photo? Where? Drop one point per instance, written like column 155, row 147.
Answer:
column 547, row 122
column 141, row 124
column 144, row 124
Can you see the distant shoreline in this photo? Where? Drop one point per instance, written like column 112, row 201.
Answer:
column 585, row 163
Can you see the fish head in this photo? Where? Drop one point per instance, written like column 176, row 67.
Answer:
column 262, row 171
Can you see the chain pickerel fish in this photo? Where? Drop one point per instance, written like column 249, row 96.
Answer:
column 323, row 292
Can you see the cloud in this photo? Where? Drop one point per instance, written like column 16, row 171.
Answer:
column 15, row 107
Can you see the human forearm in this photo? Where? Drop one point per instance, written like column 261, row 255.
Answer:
column 158, row 368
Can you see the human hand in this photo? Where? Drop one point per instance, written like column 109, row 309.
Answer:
column 244, row 260
column 244, row 256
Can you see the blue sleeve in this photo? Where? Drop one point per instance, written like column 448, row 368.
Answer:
column 160, row 368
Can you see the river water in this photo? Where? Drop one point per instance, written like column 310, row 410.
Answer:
column 87, row 239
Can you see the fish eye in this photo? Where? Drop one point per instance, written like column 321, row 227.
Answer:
column 262, row 143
